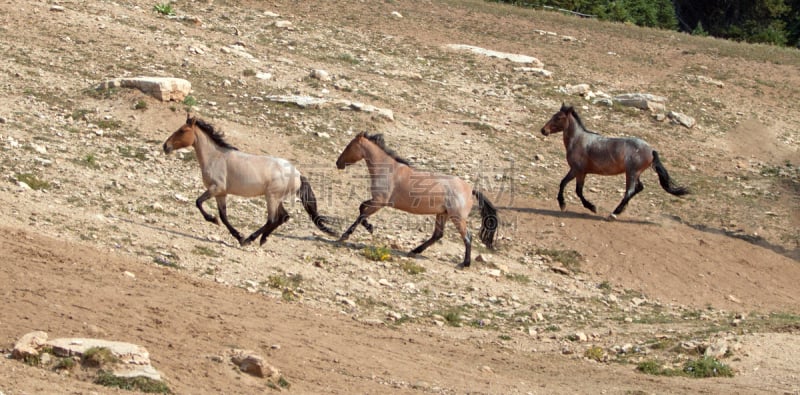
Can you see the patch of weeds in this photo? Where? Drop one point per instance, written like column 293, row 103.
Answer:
column 127, row 151
column 80, row 114
column 33, row 181
column 378, row 254
column 595, row 353
column 453, row 316
column 190, row 101
column 64, row 364
column 140, row 104
column 552, row 328
column 164, row 9
column 707, row 367
column 189, row 157
column 101, row 93
column 281, row 383
column 163, row 261
column 699, row 368
column 109, row 124
column 654, row 368
column 348, row 58
column 249, row 73
column 605, row 286
column 98, row 357
column 89, row 161
column 282, row 281
column 32, row 360
column 412, row 268
column 206, row 251
column 139, row 383
column 519, row 278
column 571, row 259
column 504, row 337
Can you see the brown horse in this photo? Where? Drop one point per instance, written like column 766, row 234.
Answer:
column 394, row 183
column 226, row 170
column 591, row 153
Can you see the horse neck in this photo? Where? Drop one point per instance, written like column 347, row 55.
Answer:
column 377, row 159
column 206, row 150
column 573, row 131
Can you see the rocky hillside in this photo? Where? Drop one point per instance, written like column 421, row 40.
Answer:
column 457, row 87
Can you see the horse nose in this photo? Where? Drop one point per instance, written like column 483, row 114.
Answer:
column 340, row 164
column 544, row 132
column 167, row 148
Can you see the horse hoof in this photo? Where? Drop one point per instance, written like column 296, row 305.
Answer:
column 612, row 217
column 245, row 242
column 462, row 265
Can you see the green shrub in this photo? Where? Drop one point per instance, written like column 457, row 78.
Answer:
column 164, row 9
column 378, row 254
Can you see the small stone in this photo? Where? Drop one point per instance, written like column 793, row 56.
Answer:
column 57, row 8
column 128, row 274
column 321, row 75
column 397, row 15
column 716, row 350
column 734, row 299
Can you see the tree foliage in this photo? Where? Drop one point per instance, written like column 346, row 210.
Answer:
column 763, row 21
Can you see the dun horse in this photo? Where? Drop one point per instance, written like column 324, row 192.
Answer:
column 394, row 183
column 591, row 153
column 226, row 170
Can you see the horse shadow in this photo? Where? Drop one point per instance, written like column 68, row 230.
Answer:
column 574, row 215
column 793, row 254
column 758, row 241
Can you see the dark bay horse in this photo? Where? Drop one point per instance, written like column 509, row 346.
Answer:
column 226, row 170
column 591, row 153
column 394, row 183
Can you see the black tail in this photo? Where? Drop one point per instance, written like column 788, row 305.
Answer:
column 489, row 219
column 664, row 180
column 310, row 204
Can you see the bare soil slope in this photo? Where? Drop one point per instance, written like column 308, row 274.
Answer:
column 665, row 281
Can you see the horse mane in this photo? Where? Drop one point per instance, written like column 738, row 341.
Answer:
column 215, row 135
column 571, row 109
column 378, row 140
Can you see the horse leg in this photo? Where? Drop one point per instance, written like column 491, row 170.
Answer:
column 461, row 225
column 368, row 226
column 633, row 185
column 438, row 232
column 367, row 208
column 223, row 215
column 570, row 175
column 282, row 216
column 579, row 190
column 199, row 203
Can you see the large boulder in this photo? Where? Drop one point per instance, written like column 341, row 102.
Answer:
column 644, row 101
column 162, row 88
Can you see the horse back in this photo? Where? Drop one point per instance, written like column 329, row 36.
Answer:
column 610, row 155
column 422, row 192
column 256, row 175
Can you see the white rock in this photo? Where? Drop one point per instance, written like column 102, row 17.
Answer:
column 321, row 75
column 681, row 119
column 500, row 55
column 397, row 15
column 162, row 88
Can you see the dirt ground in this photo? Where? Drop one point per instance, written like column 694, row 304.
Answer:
column 109, row 243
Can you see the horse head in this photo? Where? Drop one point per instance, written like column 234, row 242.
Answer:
column 352, row 153
column 559, row 121
column 183, row 137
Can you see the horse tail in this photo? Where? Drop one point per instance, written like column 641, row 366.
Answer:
column 664, row 180
column 489, row 219
column 310, row 204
